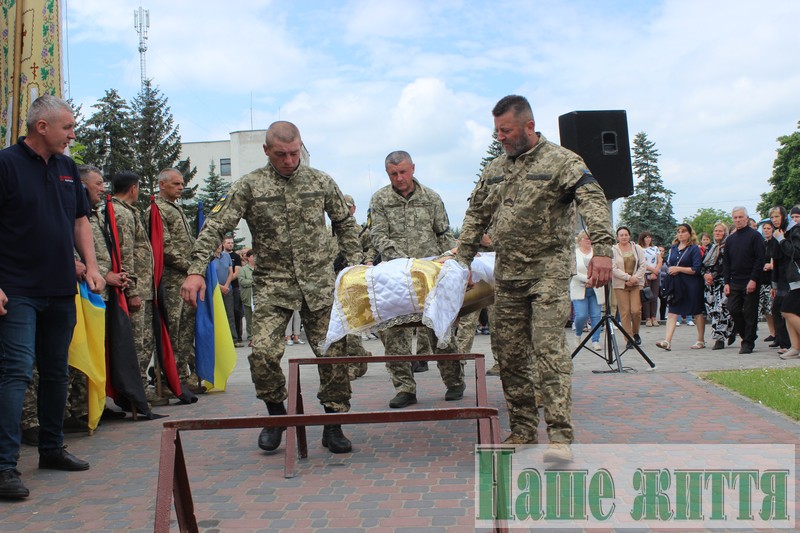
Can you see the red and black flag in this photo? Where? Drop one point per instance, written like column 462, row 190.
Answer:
column 124, row 383
column 164, row 352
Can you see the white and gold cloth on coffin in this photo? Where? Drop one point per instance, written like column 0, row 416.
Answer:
column 402, row 291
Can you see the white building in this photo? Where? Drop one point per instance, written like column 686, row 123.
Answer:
column 235, row 157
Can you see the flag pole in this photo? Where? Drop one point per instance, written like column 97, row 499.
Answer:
column 16, row 78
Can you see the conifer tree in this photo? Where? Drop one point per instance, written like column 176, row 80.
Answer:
column 494, row 151
column 106, row 135
column 785, row 179
column 157, row 140
column 650, row 206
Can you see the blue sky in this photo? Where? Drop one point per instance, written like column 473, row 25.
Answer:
column 712, row 83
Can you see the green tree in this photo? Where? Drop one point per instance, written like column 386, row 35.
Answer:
column 157, row 140
column 106, row 135
column 704, row 219
column 785, row 179
column 494, row 151
column 214, row 188
column 650, row 206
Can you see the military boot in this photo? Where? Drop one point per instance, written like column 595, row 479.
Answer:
column 334, row 439
column 270, row 438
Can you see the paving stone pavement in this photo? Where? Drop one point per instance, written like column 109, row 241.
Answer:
column 401, row 478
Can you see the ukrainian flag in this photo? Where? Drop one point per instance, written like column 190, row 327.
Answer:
column 87, row 352
column 215, row 355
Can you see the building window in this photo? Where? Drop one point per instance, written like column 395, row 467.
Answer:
column 225, row 167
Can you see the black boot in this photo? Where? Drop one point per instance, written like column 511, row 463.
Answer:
column 334, row 439
column 270, row 438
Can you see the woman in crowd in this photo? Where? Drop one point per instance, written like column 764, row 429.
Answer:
column 685, row 285
column 765, row 284
column 789, row 259
column 779, row 282
column 628, row 270
column 586, row 301
column 714, row 289
column 653, row 261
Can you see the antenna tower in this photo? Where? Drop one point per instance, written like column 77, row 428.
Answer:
column 141, row 21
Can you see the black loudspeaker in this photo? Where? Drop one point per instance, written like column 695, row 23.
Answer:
column 601, row 139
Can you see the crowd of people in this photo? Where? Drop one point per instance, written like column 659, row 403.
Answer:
column 728, row 280
column 523, row 207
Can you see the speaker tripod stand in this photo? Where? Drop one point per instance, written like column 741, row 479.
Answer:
column 612, row 354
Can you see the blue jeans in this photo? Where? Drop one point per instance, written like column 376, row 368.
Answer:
column 34, row 330
column 585, row 309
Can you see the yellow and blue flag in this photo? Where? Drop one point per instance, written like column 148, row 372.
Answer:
column 87, row 352
column 215, row 355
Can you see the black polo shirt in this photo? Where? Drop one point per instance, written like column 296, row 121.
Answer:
column 39, row 203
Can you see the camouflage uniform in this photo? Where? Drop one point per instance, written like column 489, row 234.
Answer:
column 416, row 226
column 178, row 242
column 136, row 257
column 286, row 216
column 529, row 202
column 246, row 285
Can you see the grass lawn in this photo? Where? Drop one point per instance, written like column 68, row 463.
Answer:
column 777, row 388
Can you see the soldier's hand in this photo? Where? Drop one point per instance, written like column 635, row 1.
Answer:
column 599, row 270
column 3, row 302
column 195, row 283
column 114, row 279
column 135, row 303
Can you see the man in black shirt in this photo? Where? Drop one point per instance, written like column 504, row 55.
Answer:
column 743, row 263
column 238, row 310
column 41, row 201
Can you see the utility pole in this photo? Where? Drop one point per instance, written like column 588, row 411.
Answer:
column 141, row 21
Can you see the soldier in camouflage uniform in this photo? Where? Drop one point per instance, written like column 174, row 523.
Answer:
column 285, row 204
column 178, row 242
column 78, row 399
column 409, row 220
column 355, row 347
column 136, row 257
column 529, row 194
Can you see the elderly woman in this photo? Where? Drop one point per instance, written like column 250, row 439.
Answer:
column 628, row 270
column 713, row 288
column 586, row 301
column 685, row 284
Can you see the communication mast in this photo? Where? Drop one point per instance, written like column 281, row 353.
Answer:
column 141, row 21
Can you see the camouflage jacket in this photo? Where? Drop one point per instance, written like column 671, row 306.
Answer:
column 178, row 239
column 286, row 217
column 416, row 226
column 96, row 219
column 136, row 255
column 528, row 202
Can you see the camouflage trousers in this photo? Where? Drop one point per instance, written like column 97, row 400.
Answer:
column 528, row 339
column 397, row 341
column 142, row 324
column 78, row 398
column 269, row 323
column 467, row 325
column 354, row 347
column 180, row 322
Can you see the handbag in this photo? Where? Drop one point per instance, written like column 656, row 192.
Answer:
column 647, row 295
column 666, row 290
